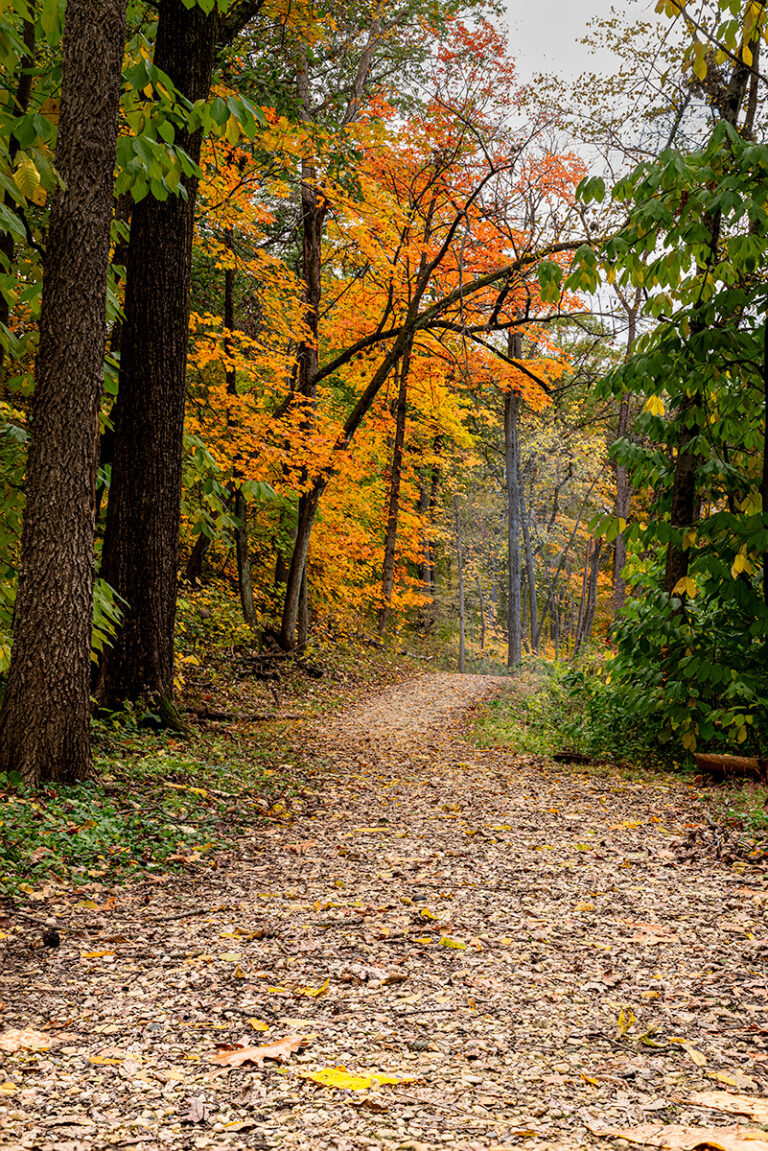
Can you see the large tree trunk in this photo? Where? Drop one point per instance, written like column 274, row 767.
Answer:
column 140, row 558
column 44, row 721
column 512, row 404
column 390, row 540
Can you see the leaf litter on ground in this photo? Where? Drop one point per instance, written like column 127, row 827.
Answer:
column 558, row 882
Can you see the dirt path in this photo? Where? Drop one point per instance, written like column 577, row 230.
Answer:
column 530, row 945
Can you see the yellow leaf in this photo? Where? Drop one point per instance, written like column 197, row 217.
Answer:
column 312, row 992
column 8, row 1088
column 427, row 914
column 102, row 1061
column 654, row 405
column 343, row 1080
column 258, row 1025
column 627, row 1020
column 95, row 954
column 231, row 957
column 455, row 943
column 689, row 741
column 685, row 586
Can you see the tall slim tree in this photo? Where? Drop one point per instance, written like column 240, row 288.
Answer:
column 44, row 721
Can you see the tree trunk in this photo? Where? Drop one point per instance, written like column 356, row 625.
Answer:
column 582, row 598
column 460, row 565
column 594, row 572
column 482, row 613
column 390, row 541
column 308, row 504
column 140, row 558
column 44, row 721
column 194, row 569
column 589, row 594
column 242, row 548
column 242, row 543
column 512, row 402
column 533, row 602
column 623, row 486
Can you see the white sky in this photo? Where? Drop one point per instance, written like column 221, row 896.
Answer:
column 545, row 34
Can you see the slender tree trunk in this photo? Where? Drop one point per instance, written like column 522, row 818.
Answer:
column 140, row 558
column 482, row 613
column 583, row 598
column 194, row 569
column 302, row 624
column 594, row 572
column 623, row 486
column 589, row 594
column 242, row 543
column 512, row 404
column 390, row 541
column 44, row 720
column 530, row 573
column 460, row 565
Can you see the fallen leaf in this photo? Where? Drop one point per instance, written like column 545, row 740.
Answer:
column 676, row 1138
column 344, row 1080
column 755, row 1106
column 455, row 943
column 199, row 1111
column 258, row 1025
column 279, row 1050
column 24, row 1040
column 735, row 1079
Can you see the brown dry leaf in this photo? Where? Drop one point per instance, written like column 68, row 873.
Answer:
column 199, row 1111
column 25, row 1040
column 673, row 1137
column 755, row 1106
column 279, row 1050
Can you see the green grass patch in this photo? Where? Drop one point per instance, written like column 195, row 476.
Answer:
column 157, row 802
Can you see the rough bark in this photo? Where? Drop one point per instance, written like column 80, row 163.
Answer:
column 395, row 478
column 44, row 721
column 140, row 557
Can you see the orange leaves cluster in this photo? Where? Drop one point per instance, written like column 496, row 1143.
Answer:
column 449, row 190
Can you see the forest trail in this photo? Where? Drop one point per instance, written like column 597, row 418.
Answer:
column 541, row 951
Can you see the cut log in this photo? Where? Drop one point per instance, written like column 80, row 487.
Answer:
column 572, row 757
column 722, row 767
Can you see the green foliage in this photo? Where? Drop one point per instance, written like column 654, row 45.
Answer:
column 154, row 808
column 567, row 708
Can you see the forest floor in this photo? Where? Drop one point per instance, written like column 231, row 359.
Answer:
column 533, row 952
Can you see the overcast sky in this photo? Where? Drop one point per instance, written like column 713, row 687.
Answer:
column 545, row 34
